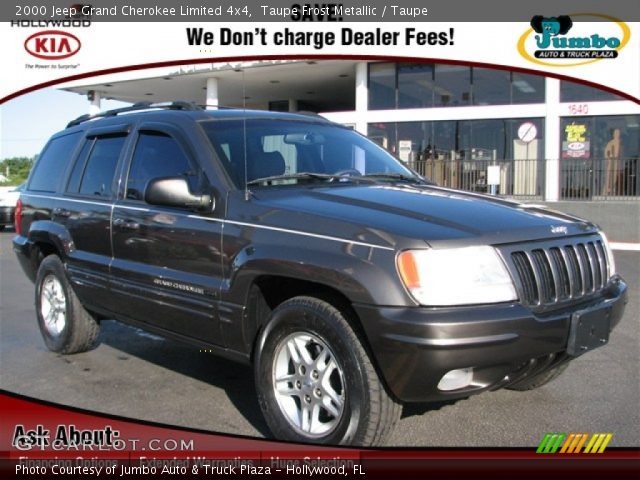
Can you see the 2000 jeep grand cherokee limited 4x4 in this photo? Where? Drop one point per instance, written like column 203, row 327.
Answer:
column 297, row 245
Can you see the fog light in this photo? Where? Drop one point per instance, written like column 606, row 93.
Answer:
column 456, row 379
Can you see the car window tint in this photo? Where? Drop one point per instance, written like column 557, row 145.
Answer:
column 156, row 155
column 78, row 169
column 101, row 166
column 276, row 143
column 275, row 147
column 51, row 164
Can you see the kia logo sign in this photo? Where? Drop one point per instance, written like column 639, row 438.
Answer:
column 52, row 45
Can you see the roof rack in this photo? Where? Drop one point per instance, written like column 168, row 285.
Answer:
column 135, row 107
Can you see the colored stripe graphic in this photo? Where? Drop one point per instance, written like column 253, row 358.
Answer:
column 598, row 443
column 551, row 442
column 582, row 441
column 569, row 442
column 573, row 443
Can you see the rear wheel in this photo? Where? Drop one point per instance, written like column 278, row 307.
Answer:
column 315, row 381
column 65, row 325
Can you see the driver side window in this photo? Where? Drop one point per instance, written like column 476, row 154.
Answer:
column 157, row 155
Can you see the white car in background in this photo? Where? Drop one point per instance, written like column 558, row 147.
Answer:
column 8, row 198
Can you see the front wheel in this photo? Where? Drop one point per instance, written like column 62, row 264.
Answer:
column 315, row 381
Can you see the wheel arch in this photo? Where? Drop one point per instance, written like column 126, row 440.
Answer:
column 47, row 238
column 269, row 291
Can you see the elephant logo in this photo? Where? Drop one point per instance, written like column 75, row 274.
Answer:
column 551, row 25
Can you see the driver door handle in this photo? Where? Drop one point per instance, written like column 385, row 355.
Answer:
column 126, row 224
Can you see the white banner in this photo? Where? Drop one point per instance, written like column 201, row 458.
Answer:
column 604, row 52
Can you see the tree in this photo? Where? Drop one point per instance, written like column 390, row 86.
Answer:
column 16, row 169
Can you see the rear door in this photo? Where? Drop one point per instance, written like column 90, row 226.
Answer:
column 85, row 211
column 166, row 269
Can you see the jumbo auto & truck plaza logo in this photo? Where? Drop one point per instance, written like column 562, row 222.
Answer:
column 567, row 40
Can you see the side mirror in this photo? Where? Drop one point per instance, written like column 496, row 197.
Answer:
column 174, row 192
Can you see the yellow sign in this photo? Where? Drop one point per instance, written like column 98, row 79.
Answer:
column 583, row 45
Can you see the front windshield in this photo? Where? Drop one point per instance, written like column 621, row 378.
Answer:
column 292, row 149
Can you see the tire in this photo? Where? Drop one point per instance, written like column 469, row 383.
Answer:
column 65, row 325
column 2, row 227
column 539, row 380
column 332, row 377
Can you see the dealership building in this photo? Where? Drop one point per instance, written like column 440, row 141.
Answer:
column 504, row 132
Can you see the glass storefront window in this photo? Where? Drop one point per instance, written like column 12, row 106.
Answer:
column 415, row 85
column 491, row 87
column 487, row 139
column 577, row 92
column 527, row 88
column 452, row 86
column 457, row 153
column 382, row 86
column 384, row 134
column 423, row 85
column 600, row 156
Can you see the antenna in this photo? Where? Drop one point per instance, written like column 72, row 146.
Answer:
column 247, row 193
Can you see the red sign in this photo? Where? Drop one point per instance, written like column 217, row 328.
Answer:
column 52, row 45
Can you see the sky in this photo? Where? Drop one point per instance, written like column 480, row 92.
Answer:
column 27, row 122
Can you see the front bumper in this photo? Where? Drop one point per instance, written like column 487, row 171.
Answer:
column 414, row 347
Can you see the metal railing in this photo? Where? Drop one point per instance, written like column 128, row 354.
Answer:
column 518, row 178
column 599, row 178
column 580, row 179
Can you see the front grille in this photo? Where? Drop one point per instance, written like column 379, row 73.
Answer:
column 555, row 272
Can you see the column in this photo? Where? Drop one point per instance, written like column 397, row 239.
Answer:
column 94, row 102
column 212, row 94
column 293, row 105
column 362, row 97
column 552, row 140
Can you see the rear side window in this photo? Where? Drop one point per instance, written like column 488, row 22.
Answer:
column 96, row 166
column 78, row 169
column 157, row 155
column 53, row 162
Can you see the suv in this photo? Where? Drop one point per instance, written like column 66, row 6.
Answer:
column 296, row 245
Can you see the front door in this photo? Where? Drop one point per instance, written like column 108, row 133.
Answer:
column 166, row 269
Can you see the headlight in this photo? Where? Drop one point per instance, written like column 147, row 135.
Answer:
column 610, row 260
column 456, row 276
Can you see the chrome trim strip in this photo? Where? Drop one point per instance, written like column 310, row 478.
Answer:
column 454, row 342
column 231, row 222
column 293, row 232
column 68, row 199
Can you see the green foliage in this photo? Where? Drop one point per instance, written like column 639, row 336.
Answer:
column 18, row 169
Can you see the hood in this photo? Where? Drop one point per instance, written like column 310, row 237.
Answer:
column 436, row 215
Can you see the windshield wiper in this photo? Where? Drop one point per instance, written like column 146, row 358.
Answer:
column 395, row 176
column 310, row 176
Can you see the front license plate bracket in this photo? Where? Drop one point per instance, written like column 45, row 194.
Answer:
column 589, row 329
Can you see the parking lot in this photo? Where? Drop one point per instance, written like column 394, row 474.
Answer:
column 141, row 376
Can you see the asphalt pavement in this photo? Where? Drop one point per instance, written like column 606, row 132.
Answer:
column 137, row 375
